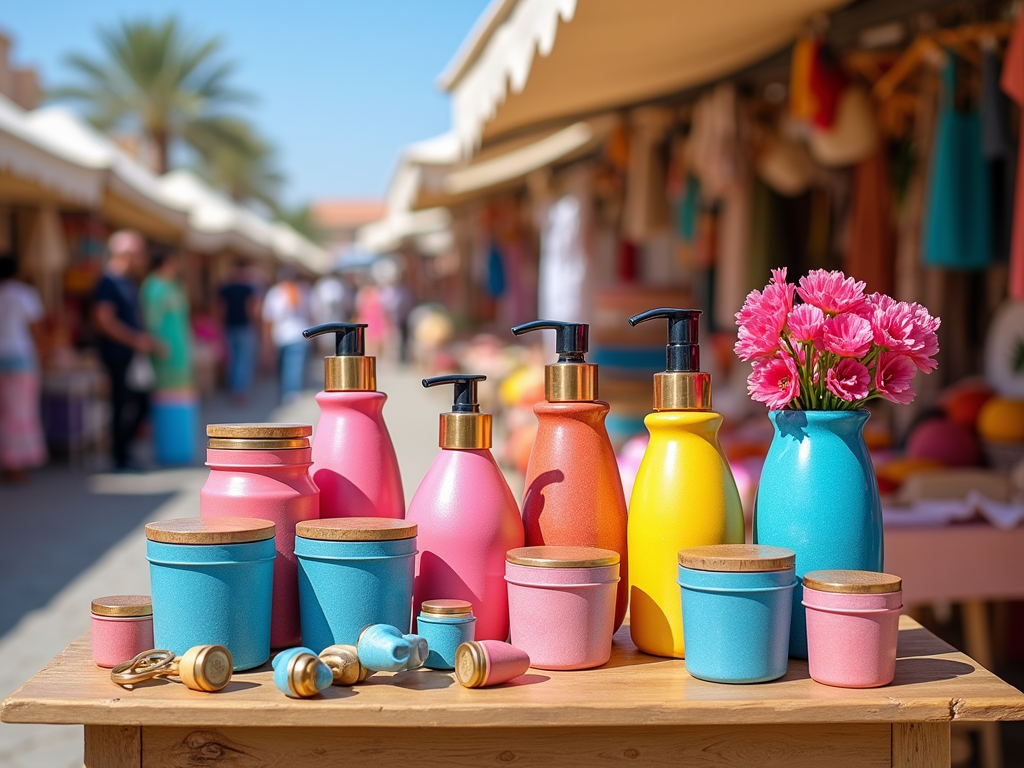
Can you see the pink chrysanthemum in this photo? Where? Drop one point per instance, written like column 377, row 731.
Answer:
column 805, row 322
column 832, row 292
column 849, row 380
column 763, row 317
column 847, row 335
column 926, row 333
column 893, row 377
column 774, row 382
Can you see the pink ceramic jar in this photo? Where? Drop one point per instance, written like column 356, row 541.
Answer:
column 262, row 471
column 561, row 604
column 122, row 628
column 852, row 626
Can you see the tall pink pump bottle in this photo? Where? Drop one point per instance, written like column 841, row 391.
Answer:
column 354, row 462
column 466, row 516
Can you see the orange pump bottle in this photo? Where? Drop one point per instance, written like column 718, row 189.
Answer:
column 573, row 491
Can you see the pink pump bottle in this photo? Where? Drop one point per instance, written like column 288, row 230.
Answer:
column 466, row 516
column 354, row 462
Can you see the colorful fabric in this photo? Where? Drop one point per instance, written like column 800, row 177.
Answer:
column 827, row 83
column 165, row 310
column 801, row 100
column 1012, row 83
column 21, row 433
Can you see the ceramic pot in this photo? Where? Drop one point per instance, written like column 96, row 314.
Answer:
column 818, row 496
column 122, row 628
column 445, row 625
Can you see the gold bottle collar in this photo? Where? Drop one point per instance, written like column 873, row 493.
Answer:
column 682, row 391
column 465, row 431
column 570, row 382
column 350, row 373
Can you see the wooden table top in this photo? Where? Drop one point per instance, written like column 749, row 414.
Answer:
column 934, row 682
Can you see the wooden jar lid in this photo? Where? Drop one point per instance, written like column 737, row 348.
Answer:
column 737, row 558
column 123, row 605
column 256, row 431
column 562, row 557
column 210, row 530
column 447, row 607
column 356, row 529
column 853, row 582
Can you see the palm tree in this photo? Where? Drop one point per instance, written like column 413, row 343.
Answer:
column 161, row 82
column 241, row 163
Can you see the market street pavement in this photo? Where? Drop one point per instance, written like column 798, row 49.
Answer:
column 70, row 536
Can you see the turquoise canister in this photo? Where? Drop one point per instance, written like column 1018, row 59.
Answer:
column 737, row 603
column 446, row 624
column 818, row 496
column 212, row 583
column 353, row 572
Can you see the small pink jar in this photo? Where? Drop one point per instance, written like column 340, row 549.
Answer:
column 561, row 603
column 262, row 471
column 483, row 663
column 122, row 628
column 852, row 626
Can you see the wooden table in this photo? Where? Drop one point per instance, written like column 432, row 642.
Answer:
column 636, row 710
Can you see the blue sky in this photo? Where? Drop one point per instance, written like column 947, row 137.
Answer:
column 341, row 84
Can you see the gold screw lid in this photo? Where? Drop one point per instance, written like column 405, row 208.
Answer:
column 447, row 608
column 853, row 582
column 206, row 668
column 471, row 664
column 737, row 558
column 356, row 529
column 253, row 431
column 210, row 530
column 123, row 605
column 257, row 444
column 562, row 557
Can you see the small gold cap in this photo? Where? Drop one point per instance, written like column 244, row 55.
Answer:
column 465, row 431
column 206, row 668
column 562, row 557
column 570, row 382
column 343, row 661
column 682, row 391
column 734, row 558
column 302, row 674
column 350, row 373
column 123, row 605
column 447, row 608
column 471, row 664
column 853, row 582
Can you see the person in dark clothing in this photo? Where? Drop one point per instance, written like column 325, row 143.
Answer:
column 238, row 306
column 118, row 323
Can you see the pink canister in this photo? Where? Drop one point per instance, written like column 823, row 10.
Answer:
column 561, row 603
column 262, row 471
column 122, row 628
column 852, row 626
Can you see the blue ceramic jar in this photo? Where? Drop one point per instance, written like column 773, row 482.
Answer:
column 353, row 572
column 446, row 624
column 737, row 604
column 212, row 583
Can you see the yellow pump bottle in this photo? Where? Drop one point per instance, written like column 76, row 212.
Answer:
column 684, row 494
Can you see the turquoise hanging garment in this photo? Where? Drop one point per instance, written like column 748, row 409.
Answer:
column 958, row 212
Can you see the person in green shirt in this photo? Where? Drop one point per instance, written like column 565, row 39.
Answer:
column 165, row 312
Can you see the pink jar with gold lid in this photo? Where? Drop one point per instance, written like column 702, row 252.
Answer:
column 262, row 471
column 122, row 628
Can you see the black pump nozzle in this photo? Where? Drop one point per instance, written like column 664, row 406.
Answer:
column 683, row 350
column 572, row 341
column 349, row 338
column 465, row 399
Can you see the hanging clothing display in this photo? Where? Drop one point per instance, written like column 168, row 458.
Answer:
column 563, row 262
column 495, row 272
column 958, row 222
column 872, row 252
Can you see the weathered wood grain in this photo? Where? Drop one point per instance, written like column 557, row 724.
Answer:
column 113, row 746
column 920, row 745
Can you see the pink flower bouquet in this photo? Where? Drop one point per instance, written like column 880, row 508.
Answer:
column 835, row 351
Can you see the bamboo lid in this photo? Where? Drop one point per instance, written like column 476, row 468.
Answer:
column 737, row 558
column 356, row 529
column 210, row 530
column 562, row 557
column 259, row 431
column 853, row 582
column 447, row 608
column 123, row 605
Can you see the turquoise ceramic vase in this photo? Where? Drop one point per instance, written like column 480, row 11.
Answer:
column 819, row 497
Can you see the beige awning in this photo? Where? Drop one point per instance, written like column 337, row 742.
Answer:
column 535, row 62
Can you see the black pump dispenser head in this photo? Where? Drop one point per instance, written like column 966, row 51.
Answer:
column 572, row 340
column 683, row 350
column 572, row 378
column 465, row 428
column 349, row 338
column 348, row 370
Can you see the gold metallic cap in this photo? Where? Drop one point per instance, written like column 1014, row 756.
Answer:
column 210, row 530
column 471, row 664
column 447, row 608
column 257, row 444
column 682, row 391
column 343, row 661
column 570, row 382
column 206, row 668
column 853, row 582
column 259, row 431
column 302, row 674
column 350, row 373
column 562, row 557
column 356, row 529
column 737, row 557
column 465, row 431
column 123, row 605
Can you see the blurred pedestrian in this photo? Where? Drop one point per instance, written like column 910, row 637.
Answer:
column 285, row 315
column 165, row 312
column 333, row 300
column 397, row 300
column 118, row 323
column 239, row 310
column 22, row 446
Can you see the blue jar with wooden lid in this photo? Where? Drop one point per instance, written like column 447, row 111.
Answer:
column 446, row 624
column 212, row 582
column 353, row 572
column 737, row 605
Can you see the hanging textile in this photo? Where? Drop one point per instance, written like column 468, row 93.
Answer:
column 563, row 262
column 958, row 222
column 495, row 272
column 801, row 99
column 872, row 253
